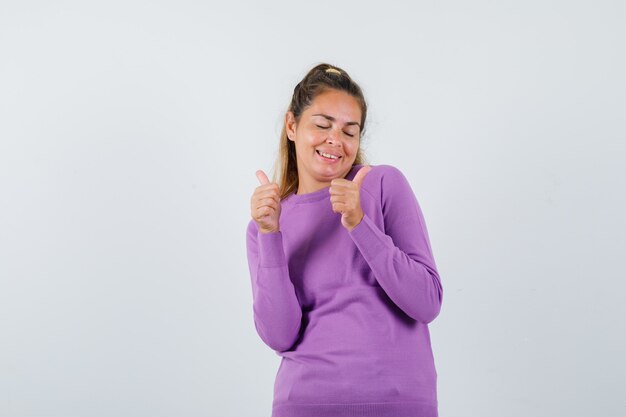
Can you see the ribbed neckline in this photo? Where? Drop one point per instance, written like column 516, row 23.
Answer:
column 319, row 194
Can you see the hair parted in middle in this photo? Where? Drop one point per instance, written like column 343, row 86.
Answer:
column 319, row 79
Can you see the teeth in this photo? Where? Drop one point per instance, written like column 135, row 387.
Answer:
column 327, row 155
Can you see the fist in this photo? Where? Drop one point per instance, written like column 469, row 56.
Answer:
column 265, row 204
column 346, row 199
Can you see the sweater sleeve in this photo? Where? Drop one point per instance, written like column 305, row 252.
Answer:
column 401, row 257
column 276, row 311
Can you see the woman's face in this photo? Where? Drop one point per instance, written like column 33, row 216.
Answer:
column 326, row 138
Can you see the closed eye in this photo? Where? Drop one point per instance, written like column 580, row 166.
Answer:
column 322, row 127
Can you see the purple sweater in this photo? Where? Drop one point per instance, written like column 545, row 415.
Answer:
column 348, row 312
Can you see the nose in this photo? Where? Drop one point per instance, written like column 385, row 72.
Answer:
column 334, row 137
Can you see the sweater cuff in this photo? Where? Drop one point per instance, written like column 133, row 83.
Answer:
column 271, row 251
column 370, row 240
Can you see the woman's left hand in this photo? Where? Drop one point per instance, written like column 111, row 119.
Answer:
column 345, row 198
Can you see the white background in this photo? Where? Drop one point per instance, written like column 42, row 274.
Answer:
column 130, row 133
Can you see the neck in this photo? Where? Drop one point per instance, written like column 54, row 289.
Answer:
column 311, row 186
column 303, row 189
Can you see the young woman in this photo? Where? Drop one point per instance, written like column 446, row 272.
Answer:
column 344, row 282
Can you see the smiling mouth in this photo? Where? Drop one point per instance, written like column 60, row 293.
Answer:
column 327, row 156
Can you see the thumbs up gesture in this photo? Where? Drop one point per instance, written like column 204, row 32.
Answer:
column 345, row 198
column 265, row 204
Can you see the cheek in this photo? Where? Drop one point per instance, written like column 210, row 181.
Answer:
column 306, row 142
column 353, row 146
column 315, row 139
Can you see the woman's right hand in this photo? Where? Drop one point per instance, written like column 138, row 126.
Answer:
column 265, row 204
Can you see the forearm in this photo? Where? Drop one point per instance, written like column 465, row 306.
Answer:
column 411, row 281
column 277, row 312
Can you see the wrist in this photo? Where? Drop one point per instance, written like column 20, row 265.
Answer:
column 269, row 231
column 351, row 228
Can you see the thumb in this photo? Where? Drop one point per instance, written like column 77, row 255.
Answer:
column 358, row 178
column 262, row 177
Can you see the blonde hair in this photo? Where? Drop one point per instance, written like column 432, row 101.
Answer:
column 321, row 78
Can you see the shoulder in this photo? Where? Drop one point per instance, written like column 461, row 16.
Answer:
column 380, row 171
column 382, row 179
column 389, row 188
column 389, row 171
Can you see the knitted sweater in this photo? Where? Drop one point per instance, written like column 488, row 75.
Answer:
column 348, row 311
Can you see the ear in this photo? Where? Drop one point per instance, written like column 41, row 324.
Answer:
column 290, row 125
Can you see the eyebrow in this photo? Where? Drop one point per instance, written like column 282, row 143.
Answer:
column 332, row 119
